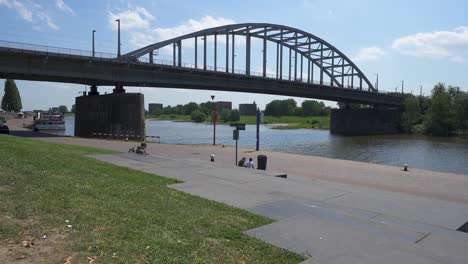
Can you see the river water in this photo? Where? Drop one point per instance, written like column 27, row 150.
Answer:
column 438, row 154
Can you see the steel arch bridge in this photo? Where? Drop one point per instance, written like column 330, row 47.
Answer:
column 309, row 59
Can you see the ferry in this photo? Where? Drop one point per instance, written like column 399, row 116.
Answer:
column 49, row 121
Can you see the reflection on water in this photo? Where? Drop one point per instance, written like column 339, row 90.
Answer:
column 439, row 154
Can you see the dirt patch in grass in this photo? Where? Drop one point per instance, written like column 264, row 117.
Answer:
column 28, row 247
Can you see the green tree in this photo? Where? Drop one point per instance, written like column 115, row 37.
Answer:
column 63, row 109
column 167, row 110
column 198, row 116
column 411, row 115
column 461, row 110
column 11, row 99
column 314, row 108
column 235, row 115
column 190, row 107
column 441, row 115
column 281, row 107
column 225, row 115
column 178, row 110
column 206, row 107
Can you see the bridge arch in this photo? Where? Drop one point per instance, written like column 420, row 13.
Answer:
column 317, row 52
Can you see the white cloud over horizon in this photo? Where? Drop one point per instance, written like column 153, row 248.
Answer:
column 60, row 4
column 31, row 12
column 452, row 45
column 134, row 18
column 141, row 39
column 369, row 54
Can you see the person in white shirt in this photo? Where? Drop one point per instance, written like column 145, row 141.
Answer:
column 250, row 164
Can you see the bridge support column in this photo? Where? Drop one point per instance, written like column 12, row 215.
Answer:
column 112, row 116
column 366, row 121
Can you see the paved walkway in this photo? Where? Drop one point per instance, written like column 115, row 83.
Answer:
column 329, row 221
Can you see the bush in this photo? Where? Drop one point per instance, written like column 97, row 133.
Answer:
column 225, row 115
column 235, row 116
column 2, row 120
column 198, row 116
column 418, row 129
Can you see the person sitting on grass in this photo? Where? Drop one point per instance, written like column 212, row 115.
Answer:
column 241, row 162
column 250, row 164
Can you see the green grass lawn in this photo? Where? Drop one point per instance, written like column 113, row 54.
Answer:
column 177, row 118
column 294, row 122
column 117, row 215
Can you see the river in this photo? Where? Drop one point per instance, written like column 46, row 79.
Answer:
column 438, row 154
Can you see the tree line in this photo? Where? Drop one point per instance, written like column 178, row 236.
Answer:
column 289, row 107
column 197, row 112
column 203, row 111
column 443, row 113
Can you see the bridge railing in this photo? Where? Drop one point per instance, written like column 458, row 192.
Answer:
column 56, row 50
column 18, row 46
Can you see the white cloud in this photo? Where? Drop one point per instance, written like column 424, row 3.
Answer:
column 369, row 54
column 45, row 17
column 134, row 18
column 451, row 45
column 60, row 4
column 23, row 11
column 30, row 12
column 141, row 39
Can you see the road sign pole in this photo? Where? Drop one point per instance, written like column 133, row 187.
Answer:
column 235, row 161
column 258, row 129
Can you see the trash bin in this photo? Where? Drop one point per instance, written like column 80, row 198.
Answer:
column 261, row 162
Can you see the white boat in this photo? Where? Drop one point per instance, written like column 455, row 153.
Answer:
column 49, row 121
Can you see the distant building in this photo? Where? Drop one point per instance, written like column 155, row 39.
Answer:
column 248, row 109
column 220, row 106
column 153, row 108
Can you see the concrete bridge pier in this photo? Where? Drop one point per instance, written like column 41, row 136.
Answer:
column 117, row 115
column 365, row 121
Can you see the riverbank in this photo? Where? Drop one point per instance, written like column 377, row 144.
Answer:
column 281, row 122
column 384, row 177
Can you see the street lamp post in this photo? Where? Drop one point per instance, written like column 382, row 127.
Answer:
column 94, row 31
column 402, row 86
column 118, row 37
column 377, row 81
column 214, row 119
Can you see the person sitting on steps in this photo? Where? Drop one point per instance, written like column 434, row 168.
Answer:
column 241, row 162
column 250, row 164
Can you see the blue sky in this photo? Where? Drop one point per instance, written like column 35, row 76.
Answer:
column 420, row 42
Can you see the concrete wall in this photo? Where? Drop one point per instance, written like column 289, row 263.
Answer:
column 152, row 108
column 111, row 113
column 221, row 105
column 359, row 122
column 248, row 109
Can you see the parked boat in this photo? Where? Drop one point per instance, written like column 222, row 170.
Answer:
column 49, row 121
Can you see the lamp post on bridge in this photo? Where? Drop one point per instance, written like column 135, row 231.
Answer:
column 377, row 82
column 94, row 31
column 118, row 37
